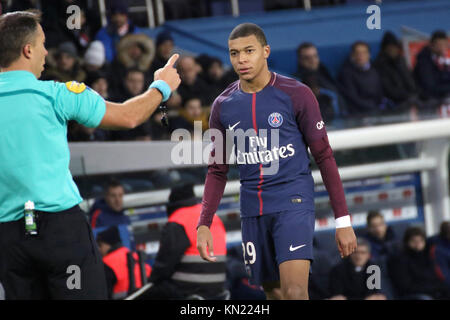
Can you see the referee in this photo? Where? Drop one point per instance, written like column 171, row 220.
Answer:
column 51, row 254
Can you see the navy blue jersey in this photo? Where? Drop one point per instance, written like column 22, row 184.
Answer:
column 281, row 121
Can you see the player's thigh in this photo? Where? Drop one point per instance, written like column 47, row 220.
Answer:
column 294, row 273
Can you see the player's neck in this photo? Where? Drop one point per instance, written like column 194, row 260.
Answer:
column 256, row 84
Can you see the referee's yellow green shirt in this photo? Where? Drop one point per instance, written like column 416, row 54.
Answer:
column 34, row 152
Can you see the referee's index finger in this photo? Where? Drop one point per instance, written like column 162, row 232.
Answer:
column 172, row 60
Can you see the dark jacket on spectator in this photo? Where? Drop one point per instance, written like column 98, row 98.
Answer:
column 345, row 280
column 396, row 79
column 361, row 88
column 412, row 273
column 434, row 80
column 382, row 248
column 324, row 80
column 101, row 215
column 440, row 254
column 199, row 90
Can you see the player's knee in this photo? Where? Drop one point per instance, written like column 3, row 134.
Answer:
column 295, row 291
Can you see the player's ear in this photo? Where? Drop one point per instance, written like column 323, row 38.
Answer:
column 266, row 51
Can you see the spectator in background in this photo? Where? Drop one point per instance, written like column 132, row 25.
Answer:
column 412, row 271
column 440, row 254
column 381, row 237
column 238, row 280
column 214, row 74
column 108, row 210
column 192, row 86
column 311, row 70
column 133, row 84
column 67, row 66
column 432, row 69
column 94, row 57
column 164, row 49
column 115, row 261
column 134, row 51
column 319, row 278
column 178, row 271
column 192, row 111
column 361, row 84
column 396, row 79
column 56, row 19
column 327, row 104
column 98, row 81
column 119, row 25
column 348, row 279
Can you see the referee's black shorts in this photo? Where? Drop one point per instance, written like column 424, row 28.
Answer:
column 61, row 262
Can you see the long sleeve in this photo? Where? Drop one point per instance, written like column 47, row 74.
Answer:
column 216, row 177
column 313, row 129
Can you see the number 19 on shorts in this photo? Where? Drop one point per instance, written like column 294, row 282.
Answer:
column 249, row 251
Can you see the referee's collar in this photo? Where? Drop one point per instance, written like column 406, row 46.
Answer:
column 17, row 73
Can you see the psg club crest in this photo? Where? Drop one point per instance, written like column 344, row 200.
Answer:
column 275, row 119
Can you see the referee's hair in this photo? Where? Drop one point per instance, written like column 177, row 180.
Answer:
column 17, row 29
column 248, row 29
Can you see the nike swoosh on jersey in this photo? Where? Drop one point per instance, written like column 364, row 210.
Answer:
column 231, row 128
column 291, row 248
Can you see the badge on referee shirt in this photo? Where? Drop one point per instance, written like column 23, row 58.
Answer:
column 75, row 87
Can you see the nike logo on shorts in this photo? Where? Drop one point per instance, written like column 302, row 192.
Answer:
column 291, row 248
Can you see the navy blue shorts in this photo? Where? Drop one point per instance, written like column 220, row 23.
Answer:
column 268, row 240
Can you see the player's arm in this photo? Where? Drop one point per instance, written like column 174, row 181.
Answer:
column 215, row 182
column 311, row 124
column 133, row 112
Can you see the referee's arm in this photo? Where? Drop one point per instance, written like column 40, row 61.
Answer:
column 133, row 112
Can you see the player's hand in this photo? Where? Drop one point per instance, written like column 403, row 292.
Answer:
column 205, row 243
column 346, row 241
column 169, row 74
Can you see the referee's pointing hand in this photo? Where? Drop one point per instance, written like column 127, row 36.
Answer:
column 169, row 74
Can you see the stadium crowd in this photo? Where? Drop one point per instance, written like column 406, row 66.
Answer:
column 118, row 61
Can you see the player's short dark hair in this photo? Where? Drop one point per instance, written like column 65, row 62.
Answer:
column 438, row 35
column 248, row 29
column 303, row 46
column 359, row 43
column 372, row 215
column 112, row 183
column 16, row 30
column 412, row 232
column 361, row 242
